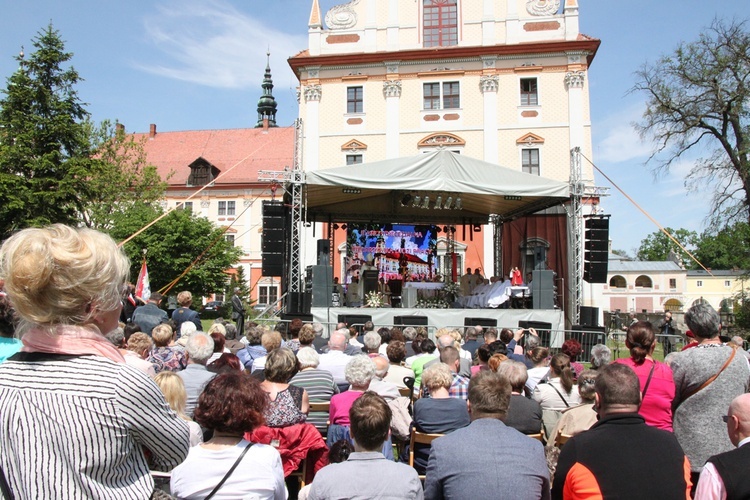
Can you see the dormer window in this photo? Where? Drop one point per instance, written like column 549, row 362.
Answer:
column 201, row 173
column 440, row 23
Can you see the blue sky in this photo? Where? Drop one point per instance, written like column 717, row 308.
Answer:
column 198, row 64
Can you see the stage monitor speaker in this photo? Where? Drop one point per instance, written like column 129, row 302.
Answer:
column 483, row 322
column 588, row 336
column 324, row 252
column 410, row 321
column 542, row 328
column 319, row 284
column 355, row 320
column 589, row 316
column 307, row 318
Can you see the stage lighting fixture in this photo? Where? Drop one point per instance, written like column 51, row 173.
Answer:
column 459, row 206
column 343, row 226
column 335, row 226
column 426, row 202
column 448, row 203
column 417, row 199
column 438, row 203
column 405, row 200
column 477, row 228
column 445, row 229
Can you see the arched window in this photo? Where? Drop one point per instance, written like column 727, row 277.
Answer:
column 643, row 281
column 672, row 305
column 440, row 23
column 618, row 282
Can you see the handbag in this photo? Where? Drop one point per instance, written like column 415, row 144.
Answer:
column 229, row 472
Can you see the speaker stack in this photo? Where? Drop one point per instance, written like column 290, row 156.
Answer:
column 273, row 238
column 543, row 289
column 596, row 249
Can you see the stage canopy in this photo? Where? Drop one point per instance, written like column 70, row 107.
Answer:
column 388, row 190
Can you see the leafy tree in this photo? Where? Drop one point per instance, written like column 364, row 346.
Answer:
column 172, row 244
column 55, row 164
column 727, row 248
column 117, row 176
column 622, row 253
column 43, row 139
column 657, row 245
column 697, row 99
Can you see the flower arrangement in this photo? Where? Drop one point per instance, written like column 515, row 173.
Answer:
column 432, row 303
column 374, row 299
column 451, row 287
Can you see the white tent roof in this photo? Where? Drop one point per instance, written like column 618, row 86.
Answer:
column 376, row 190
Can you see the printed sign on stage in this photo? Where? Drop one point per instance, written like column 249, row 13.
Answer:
column 396, row 251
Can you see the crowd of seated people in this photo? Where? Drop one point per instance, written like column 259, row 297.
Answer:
column 176, row 400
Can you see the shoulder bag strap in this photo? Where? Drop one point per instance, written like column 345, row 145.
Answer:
column 549, row 383
column 229, row 472
column 648, row 381
column 712, row 378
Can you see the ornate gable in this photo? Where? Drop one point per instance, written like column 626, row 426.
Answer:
column 354, row 145
column 441, row 139
column 530, row 139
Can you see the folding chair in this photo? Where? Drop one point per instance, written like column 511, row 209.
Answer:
column 322, row 407
column 420, row 438
column 561, row 439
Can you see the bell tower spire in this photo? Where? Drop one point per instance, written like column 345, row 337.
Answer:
column 267, row 103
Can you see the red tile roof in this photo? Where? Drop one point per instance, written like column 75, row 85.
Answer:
column 252, row 149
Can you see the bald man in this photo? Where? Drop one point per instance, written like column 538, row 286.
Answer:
column 335, row 360
column 725, row 475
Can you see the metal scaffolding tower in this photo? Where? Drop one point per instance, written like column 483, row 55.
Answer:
column 575, row 225
column 292, row 180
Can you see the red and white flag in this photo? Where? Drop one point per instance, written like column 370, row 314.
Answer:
column 143, row 286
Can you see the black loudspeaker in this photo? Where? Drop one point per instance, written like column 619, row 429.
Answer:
column 543, row 329
column 295, row 303
column 410, row 321
column 273, row 238
column 355, row 320
column 596, row 249
column 588, row 336
column 319, row 284
column 543, row 289
column 324, row 252
column 589, row 316
column 369, row 282
column 540, row 258
column 483, row 322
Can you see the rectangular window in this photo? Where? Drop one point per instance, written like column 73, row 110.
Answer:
column 440, row 23
column 672, row 282
column 229, row 238
column 699, row 283
column 267, row 294
column 230, row 207
column 445, row 96
column 530, row 161
column 727, row 283
column 353, row 159
column 354, row 102
column 185, row 205
column 222, row 208
column 451, row 96
column 529, row 95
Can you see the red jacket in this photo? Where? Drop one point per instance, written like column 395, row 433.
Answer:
column 295, row 444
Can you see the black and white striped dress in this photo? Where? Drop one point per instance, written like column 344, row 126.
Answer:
column 74, row 427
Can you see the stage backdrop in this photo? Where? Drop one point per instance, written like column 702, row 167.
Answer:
column 395, row 250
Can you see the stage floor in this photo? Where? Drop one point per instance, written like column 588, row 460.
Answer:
column 439, row 318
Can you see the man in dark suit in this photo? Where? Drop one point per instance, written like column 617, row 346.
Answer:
column 487, row 459
column 238, row 313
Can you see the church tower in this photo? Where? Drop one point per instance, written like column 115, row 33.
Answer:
column 267, row 103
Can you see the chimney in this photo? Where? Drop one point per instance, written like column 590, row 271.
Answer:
column 152, row 131
column 265, row 124
column 119, row 128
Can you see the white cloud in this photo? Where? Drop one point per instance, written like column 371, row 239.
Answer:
column 620, row 142
column 213, row 44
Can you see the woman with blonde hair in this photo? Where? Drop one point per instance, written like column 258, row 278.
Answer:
column 173, row 388
column 165, row 356
column 65, row 285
